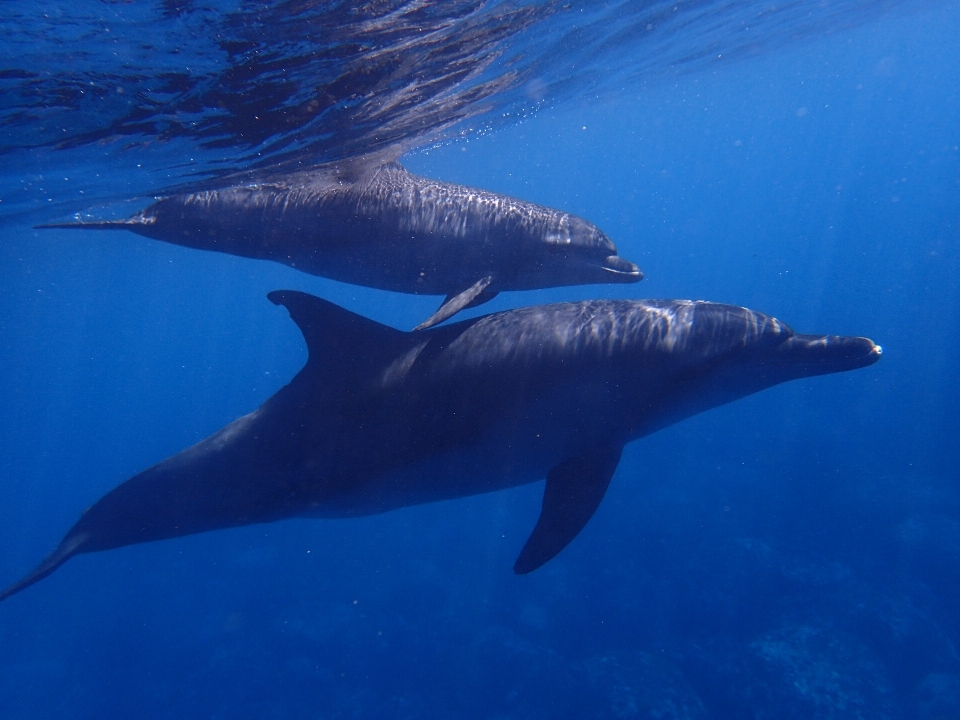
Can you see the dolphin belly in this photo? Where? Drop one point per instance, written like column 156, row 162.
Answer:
column 512, row 450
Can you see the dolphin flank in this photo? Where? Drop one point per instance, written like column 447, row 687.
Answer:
column 392, row 230
column 380, row 419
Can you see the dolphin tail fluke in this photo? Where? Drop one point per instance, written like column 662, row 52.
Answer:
column 127, row 224
column 67, row 549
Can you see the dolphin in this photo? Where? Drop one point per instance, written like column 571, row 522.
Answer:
column 381, row 419
column 389, row 229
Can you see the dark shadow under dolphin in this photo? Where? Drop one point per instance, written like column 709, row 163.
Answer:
column 380, row 419
column 389, row 229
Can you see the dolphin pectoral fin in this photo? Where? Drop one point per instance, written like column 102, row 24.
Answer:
column 572, row 494
column 70, row 546
column 474, row 295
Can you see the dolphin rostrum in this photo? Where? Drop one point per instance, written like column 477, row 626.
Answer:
column 380, row 419
column 392, row 230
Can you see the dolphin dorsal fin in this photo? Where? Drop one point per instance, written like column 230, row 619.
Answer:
column 571, row 496
column 336, row 337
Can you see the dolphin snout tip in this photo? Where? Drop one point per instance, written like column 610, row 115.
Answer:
column 873, row 352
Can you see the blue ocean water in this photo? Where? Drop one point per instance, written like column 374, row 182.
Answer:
column 793, row 555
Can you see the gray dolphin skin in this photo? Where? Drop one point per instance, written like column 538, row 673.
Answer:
column 381, row 419
column 392, row 230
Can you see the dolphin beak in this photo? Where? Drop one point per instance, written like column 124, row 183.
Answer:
column 624, row 269
column 821, row 354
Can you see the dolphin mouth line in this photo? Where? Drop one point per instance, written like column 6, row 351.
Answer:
column 615, row 271
column 616, row 265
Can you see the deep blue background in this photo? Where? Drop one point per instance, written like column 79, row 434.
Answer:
column 796, row 554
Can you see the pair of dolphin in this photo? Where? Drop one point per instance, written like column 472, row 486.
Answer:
column 380, row 419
